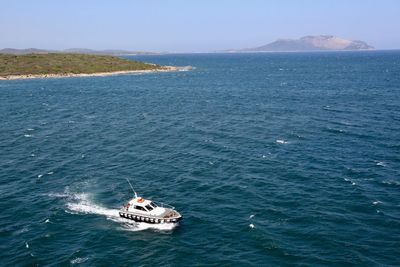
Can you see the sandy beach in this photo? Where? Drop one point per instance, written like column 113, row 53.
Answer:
column 97, row 74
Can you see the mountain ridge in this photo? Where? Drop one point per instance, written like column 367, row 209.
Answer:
column 310, row 43
column 110, row 52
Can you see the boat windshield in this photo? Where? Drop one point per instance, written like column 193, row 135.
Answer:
column 149, row 207
column 153, row 204
column 140, row 208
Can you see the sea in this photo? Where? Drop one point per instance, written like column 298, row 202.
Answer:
column 273, row 159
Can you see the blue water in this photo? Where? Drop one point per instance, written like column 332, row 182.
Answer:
column 273, row 159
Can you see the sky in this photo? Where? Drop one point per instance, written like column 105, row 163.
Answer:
column 192, row 26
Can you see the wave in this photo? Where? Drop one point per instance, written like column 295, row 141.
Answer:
column 334, row 130
column 391, row 182
column 58, row 195
column 381, row 163
column 333, row 109
column 78, row 260
column 349, row 180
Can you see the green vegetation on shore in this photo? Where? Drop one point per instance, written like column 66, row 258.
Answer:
column 57, row 63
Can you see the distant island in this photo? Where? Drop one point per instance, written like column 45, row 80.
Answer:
column 110, row 52
column 310, row 43
column 71, row 65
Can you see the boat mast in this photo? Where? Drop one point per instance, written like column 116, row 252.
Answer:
column 131, row 187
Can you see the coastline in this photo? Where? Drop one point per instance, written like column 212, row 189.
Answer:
column 96, row 74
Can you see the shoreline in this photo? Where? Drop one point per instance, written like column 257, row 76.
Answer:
column 95, row 74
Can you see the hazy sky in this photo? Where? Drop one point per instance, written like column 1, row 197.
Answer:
column 188, row 26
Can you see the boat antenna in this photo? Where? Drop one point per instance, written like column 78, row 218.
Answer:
column 131, row 187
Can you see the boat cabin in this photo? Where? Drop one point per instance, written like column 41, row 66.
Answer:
column 141, row 205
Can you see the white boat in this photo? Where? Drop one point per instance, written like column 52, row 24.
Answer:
column 139, row 209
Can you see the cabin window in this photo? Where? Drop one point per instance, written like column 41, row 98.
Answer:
column 153, row 205
column 149, row 207
column 140, row 208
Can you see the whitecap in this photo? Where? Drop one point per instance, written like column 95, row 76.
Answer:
column 251, row 216
column 280, row 141
column 349, row 180
column 78, row 260
column 58, row 195
column 28, row 135
column 251, row 226
column 50, row 173
column 388, row 182
column 32, row 155
column 40, row 175
column 381, row 163
column 47, row 221
column 26, row 245
column 90, row 116
column 23, row 230
column 376, row 202
column 30, row 129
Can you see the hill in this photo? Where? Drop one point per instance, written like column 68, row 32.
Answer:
column 15, row 51
column 110, row 52
column 311, row 43
column 67, row 64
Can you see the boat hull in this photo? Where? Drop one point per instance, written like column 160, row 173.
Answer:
column 147, row 219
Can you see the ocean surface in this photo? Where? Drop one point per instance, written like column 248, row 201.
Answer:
column 283, row 159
